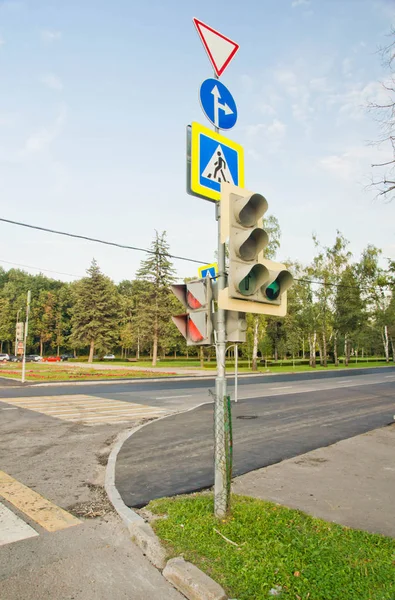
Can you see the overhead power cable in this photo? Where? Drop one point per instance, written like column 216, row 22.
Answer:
column 99, row 241
column 147, row 251
column 8, row 262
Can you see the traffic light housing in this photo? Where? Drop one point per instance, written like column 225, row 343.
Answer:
column 255, row 284
column 196, row 324
column 19, row 331
column 235, row 326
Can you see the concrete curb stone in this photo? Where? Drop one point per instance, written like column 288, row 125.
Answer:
column 191, row 581
column 143, row 535
column 184, row 576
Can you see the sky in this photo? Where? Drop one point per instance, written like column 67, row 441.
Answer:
column 95, row 98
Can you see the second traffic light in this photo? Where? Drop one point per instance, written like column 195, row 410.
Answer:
column 196, row 324
column 255, row 284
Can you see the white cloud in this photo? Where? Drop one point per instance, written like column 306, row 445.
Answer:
column 52, row 81
column 354, row 101
column 42, row 139
column 347, row 66
column 354, row 164
column 7, row 119
column 266, row 138
column 50, row 36
column 296, row 3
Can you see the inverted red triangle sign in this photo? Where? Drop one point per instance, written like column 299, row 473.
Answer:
column 219, row 48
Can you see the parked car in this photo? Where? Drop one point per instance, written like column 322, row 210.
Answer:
column 66, row 356
column 109, row 357
column 4, row 358
column 52, row 359
column 13, row 358
column 33, row 358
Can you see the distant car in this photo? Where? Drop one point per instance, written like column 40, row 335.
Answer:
column 4, row 358
column 33, row 358
column 13, row 358
column 66, row 356
column 52, row 359
column 109, row 357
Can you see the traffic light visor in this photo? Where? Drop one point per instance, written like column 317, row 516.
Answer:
column 282, row 282
column 253, row 279
column 249, row 210
column 254, row 242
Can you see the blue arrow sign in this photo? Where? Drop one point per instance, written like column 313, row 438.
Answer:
column 218, row 104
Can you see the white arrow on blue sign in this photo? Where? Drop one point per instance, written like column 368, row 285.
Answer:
column 218, row 104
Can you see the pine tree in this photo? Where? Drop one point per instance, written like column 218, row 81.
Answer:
column 96, row 312
column 156, row 273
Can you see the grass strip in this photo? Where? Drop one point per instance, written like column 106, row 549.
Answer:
column 265, row 550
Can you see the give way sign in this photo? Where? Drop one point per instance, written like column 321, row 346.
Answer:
column 220, row 49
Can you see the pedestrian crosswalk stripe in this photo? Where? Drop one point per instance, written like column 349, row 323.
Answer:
column 92, row 410
column 48, row 515
column 12, row 528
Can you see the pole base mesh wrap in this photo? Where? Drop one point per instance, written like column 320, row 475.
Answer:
column 223, row 454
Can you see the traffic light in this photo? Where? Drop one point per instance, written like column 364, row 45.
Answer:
column 235, row 326
column 196, row 324
column 255, row 284
column 19, row 331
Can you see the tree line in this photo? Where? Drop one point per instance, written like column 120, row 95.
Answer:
column 336, row 307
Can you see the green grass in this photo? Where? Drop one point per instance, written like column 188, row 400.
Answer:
column 55, row 372
column 276, row 546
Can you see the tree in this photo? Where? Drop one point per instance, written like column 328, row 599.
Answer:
column 156, row 274
column 327, row 267
column 349, row 309
column 385, row 115
column 96, row 312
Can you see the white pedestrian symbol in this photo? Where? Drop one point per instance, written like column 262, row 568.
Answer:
column 217, row 168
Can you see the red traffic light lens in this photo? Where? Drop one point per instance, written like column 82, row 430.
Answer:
column 193, row 332
column 192, row 301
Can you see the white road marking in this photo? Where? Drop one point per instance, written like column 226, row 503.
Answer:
column 12, row 528
column 389, row 376
column 173, row 397
column 284, row 387
column 10, row 408
column 91, row 410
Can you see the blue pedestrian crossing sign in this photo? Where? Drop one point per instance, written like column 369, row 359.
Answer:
column 214, row 159
column 218, row 104
column 210, row 270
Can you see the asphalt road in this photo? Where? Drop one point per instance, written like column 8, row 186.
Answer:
column 275, row 419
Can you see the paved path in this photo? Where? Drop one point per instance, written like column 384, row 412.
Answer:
column 351, row 482
column 175, row 455
column 59, row 536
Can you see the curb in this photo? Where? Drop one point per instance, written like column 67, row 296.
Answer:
column 184, row 576
column 212, row 376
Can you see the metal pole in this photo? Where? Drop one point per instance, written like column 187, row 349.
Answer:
column 25, row 336
column 220, row 475
column 220, row 470
column 16, row 333
column 236, row 374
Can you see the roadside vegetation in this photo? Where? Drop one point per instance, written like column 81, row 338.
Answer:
column 48, row 372
column 263, row 550
column 339, row 306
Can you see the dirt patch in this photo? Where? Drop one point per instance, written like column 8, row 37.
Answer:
column 98, row 504
column 311, row 460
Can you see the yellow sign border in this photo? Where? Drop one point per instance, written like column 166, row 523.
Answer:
column 196, row 131
column 201, row 269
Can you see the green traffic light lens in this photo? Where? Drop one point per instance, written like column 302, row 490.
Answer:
column 247, row 286
column 273, row 291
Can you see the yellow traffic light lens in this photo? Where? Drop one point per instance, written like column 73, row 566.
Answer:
column 273, row 291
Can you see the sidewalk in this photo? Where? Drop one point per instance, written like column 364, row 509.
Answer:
column 351, row 482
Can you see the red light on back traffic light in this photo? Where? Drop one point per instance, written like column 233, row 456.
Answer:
column 192, row 301
column 193, row 332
